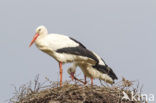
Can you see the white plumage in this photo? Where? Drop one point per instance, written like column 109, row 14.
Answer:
column 92, row 72
column 62, row 48
column 55, row 41
column 50, row 43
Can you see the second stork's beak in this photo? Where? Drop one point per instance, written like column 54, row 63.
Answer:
column 34, row 38
column 72, row 76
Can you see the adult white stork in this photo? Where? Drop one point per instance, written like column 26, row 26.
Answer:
column 102, row 71
column 62, row 48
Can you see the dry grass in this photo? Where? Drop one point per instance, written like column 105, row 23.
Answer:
column 35, row 92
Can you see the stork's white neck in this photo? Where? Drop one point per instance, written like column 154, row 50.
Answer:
column 40, row 43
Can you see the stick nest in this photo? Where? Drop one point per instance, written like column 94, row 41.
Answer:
column 73, row 93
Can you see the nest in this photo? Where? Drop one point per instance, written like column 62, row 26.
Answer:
column 74, row 93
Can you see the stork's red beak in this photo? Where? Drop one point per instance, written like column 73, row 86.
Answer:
column 34, row 38
column 72, row 76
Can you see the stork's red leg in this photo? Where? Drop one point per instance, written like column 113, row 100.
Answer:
column 60, row 65
column 85, row 81
column 92, row 81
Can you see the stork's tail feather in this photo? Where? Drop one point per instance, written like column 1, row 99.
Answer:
column 106, row 70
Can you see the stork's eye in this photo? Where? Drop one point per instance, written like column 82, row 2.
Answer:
column 39, row 30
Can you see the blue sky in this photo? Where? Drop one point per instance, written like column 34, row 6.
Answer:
column 120, row 31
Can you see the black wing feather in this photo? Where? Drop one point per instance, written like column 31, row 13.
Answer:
column 106, row 70
column 79, row 50
column 80, row 44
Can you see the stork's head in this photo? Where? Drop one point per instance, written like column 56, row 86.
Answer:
column 40, row 31
column 71, row 72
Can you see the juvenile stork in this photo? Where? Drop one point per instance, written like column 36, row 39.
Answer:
column 62, row 48
column 102, row 71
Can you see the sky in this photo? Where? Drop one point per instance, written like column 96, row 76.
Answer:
column 122, row 32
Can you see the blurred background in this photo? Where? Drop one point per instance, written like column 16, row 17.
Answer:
column 122, row 32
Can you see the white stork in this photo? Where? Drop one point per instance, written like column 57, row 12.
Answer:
column 102, row 71
column 62, row 48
